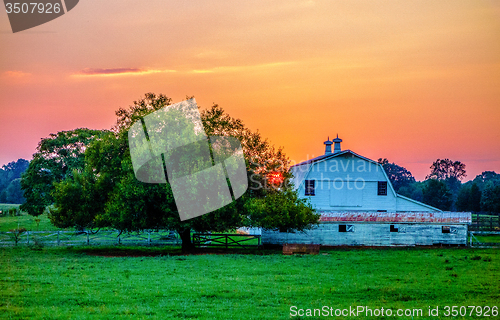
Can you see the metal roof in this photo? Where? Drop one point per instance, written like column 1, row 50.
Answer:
column 333, row 155
column 404, row 217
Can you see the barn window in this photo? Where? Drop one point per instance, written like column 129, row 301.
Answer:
column 448, row 229
column 382, row 188
column 310, row 188
column 346, row 228
column 394, row 229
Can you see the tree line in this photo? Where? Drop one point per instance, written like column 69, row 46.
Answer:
column 443, row 187
column 10, row 181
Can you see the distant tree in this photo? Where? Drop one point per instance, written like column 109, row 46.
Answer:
column 485, row 177
column 445, row 169
column 451, row 172
column 9, row 190
column 54, row 160
column 399, row 176
column 469, row 198
column 15, row 169
column 490, row 200
column 437, row 194
column 413, row 190
column 14, row 194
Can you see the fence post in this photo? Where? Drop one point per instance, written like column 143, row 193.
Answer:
column 88, row 238
column 28, row 237
column 469, row 233
column 149, row 237
column 491, row 223
column 58, row 240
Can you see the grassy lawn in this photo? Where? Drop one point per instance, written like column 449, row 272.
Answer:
column 488, row 238
column 76, row 283
column 26, row 221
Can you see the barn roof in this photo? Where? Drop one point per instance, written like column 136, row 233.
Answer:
column 332, row 155
column 301, row 170
column 396, row 217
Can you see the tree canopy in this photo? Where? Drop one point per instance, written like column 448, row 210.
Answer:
column 443, row 169
column 55, row 159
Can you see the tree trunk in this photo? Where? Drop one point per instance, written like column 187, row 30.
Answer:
column 187, row 245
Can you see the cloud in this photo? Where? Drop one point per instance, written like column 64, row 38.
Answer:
column 16, row 74
column 113, row 72
column 15, row 77
column 243, row 68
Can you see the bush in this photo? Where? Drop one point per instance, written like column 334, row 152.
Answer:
column 16, row 233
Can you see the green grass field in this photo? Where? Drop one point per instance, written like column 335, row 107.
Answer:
column 28, row 222
column 76, row 283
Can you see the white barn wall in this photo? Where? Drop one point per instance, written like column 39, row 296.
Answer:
column 348, row 182
column 372, row 234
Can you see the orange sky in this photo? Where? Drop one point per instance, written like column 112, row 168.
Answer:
column 411, row 81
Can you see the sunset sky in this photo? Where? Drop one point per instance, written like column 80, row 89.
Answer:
column 411, row 81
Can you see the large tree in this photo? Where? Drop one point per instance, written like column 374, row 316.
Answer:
column 109, row 194
column 490, row 200
column 451, row 172
column 469, row 198
column 55, row 159
column 444, row 169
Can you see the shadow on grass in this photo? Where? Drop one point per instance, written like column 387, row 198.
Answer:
column 154, row 251
column 134, row 251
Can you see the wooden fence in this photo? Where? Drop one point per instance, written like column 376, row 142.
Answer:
column 201, row 240
column 484, row 222
column 102, row 237
column 484, row 239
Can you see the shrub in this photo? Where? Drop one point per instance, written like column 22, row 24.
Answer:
column 16, row 233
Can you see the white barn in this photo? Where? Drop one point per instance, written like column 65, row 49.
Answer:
column 359, row 206
column 346, row 181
